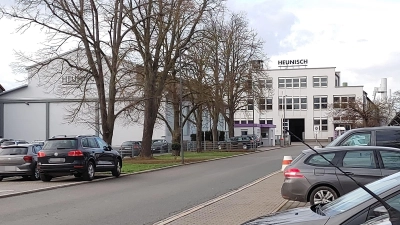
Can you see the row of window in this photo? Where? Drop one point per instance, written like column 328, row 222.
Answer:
column 301, row 82
column 299, row 103
column 322, row 122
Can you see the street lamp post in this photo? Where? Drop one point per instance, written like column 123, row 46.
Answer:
column 284, row 120
column 180, row 109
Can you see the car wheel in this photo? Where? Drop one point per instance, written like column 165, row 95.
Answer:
column 45, row 178
column 35, row 174
column 116, row 172
column 322, row 195
column 219, row 147
column 88, row 175
column 244, row 147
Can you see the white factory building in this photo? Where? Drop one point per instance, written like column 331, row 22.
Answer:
column 300, row 101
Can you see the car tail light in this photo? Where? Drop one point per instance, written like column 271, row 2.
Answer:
column 75, row 153
column 41, row 154
column 293, row 173
column 28, row 158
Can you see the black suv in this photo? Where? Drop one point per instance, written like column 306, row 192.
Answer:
column 81, row 156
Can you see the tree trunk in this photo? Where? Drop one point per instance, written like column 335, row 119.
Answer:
column 215, row 120
column 176, row 135
column 231, row 123
column 199, row 125
column 150, row 117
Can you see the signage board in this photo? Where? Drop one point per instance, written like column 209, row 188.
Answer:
column 316, row 129
column 292, row 62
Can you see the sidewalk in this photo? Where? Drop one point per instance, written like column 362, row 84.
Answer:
column 257, row 200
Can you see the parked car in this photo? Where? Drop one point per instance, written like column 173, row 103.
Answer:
column 13, row 142
column 81, row 156
column 353, row 208
column 388, row 136
column 238, row 142
column 310, row 178
column 380, row 220
column 19, row 160
column 130, row 148
column 4, row 139
column 160, row 146
column 255, row 138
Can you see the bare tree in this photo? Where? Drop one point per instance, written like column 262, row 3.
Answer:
column 362, row 112
column 99, row 32
column 163, row 28
column 238, row 76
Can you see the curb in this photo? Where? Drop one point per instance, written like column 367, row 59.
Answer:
column 280, row 206
column 214, row 200
column 123, row 175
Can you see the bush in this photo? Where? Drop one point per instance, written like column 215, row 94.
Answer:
column 176, row 146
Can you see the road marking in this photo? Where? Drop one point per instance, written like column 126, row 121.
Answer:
column 212, row 201
column 6, row 190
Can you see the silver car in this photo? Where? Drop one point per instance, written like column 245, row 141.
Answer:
column 310, row 178
column 353, row 208
column 19, row 160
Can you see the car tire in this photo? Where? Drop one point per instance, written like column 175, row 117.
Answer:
column 89, row 173
column 45, row 178
column 245, row 147
column 116, row 172
column 219, row 147
column 322, row 195
column 35, row 174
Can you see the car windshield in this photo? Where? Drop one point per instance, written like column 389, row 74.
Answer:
column 359, row 196
column 157, row 141
column 60, row 144
column 14, row 151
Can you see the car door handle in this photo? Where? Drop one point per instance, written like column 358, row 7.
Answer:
column 349, row 173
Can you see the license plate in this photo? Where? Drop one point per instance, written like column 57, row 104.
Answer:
column 127, row 148
column 56, row 160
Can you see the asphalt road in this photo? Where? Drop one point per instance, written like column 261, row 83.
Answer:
column 143, row 198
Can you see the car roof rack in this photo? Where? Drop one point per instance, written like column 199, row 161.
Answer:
column 55, row 136
column 86, row 135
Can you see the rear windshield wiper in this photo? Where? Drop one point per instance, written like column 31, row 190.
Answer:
column 63, row 148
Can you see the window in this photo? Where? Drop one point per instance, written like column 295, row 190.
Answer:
column 60, row 144
column 298, row 82
column 358, row 139
column 237, row 122
column 320, row 81
column 320, row 102
column 14, row 151
column 359, row 159
column 266, row 121
column 390, row 160
column 266, row 83
column 243, row 122
column 265, row 104
column 85, row 143
column 388, row 138
column 250, row 121
column 343, row 101
column 296, row 103
column 285, row 124
column 322, row 123
column 317, row 160
column 101, row 142
column 244, row 132
column 92, row 143
column 250, row 104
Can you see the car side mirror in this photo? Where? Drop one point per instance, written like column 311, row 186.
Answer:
column 379, row 211
column 107, row 148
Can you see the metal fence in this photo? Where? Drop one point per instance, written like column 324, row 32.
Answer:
column 217, row 146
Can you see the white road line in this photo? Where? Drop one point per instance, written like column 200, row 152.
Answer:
column 6, row 190
column 212, row 201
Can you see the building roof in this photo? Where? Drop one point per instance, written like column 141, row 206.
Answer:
column 301, row 68
column 13, row 89
column 2, row 89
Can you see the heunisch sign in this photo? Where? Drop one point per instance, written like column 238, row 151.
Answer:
column 294, row 62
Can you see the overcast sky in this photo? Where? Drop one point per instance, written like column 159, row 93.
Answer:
column 358, row 37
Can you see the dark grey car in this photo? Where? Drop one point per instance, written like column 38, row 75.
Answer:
column 353, row 208
column 19, row 160
column 310, row 178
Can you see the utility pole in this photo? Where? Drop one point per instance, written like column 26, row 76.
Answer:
column 284, row 119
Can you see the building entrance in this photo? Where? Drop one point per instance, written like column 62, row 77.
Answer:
column 296, row 126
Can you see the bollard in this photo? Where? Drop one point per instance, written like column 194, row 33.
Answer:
column 286, row 161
